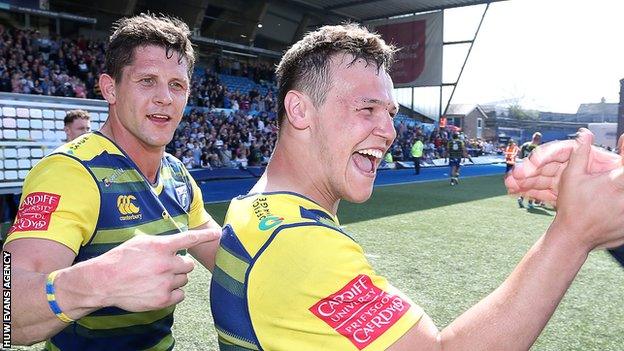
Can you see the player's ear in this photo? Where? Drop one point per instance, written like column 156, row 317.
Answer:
column 297, row 106
column 107, row 87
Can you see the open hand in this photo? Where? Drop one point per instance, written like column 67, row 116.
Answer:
column 539, row 175
column 590, row 205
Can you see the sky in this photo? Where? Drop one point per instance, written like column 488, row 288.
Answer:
column 550, row 55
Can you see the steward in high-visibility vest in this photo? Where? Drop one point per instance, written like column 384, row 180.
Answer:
column 417, row 152
column 511, row 152
column 388, row 157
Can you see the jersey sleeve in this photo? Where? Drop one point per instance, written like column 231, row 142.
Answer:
column 313, row 289
column 197, row 213
column 60, row 202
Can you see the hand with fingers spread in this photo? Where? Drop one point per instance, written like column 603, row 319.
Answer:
column 539, row 175
column 585, row 197
column 145, row 273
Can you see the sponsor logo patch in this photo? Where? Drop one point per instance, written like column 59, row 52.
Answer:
column 108, row 181
column 75, row 145
column 35, row 212
column 261, row 208
column 262, row 211
column 269, row 222
column 127, row 208
column 360, row 311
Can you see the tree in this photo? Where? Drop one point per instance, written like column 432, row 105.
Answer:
column 517, row 112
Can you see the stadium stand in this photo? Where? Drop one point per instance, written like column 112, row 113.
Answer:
column 33, row 64
column 236, row 97
column 229, row 128
column 224, row 138
column 32, row 126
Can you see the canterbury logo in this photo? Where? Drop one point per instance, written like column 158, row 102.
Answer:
column 125, row 205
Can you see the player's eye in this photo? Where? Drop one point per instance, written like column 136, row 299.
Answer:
column 148, row 81
column 176, row 85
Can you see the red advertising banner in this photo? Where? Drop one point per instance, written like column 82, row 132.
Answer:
column 419, row 62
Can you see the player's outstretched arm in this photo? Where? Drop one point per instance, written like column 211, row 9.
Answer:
column 142, row 274
column 539, row 175
column 512, row 317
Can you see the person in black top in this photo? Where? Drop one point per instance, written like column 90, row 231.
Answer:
column 455, row 151
column 525, row 151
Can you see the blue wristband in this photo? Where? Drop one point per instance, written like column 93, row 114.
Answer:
column 52, row 299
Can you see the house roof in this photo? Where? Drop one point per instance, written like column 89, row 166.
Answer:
column 606, row 108
column 464, row 109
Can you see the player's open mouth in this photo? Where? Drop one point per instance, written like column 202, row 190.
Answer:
column 366, row 160
column 158, row 118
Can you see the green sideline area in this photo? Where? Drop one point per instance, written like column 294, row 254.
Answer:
column 448, row 247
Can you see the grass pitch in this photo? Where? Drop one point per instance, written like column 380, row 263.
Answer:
column 447, row 248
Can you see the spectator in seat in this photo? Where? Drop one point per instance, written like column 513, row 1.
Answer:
column 188, row 160
column 241, row 160
column 77, row 123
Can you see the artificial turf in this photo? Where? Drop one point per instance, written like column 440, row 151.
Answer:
column 447, row 248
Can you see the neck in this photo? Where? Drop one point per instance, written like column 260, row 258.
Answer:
column 146, row 158
column 290, row 170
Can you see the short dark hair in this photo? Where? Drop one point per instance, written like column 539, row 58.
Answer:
column 305, row 66
column 147, row 29
column 73, row 115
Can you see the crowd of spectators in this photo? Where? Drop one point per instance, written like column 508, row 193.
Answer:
column 31, row 63
column 435, row 143
column 207, row 90
column 217, row 139
column 231, row 128
column 257, row 71
column 220, row 138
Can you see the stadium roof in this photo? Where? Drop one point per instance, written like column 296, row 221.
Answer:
column 266, row 24
column 364, row 10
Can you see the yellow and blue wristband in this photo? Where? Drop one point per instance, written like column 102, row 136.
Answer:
column 52, row 299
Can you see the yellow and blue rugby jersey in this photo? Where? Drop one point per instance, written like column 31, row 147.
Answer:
column 89, row 196
column 288, row 278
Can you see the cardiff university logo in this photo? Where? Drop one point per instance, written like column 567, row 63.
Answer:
column 127, row 208
column 35, row 212
column 269, row 222
column 361, row 311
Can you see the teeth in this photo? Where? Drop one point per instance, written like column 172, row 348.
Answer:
column 372, row 152
column 159, row 116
